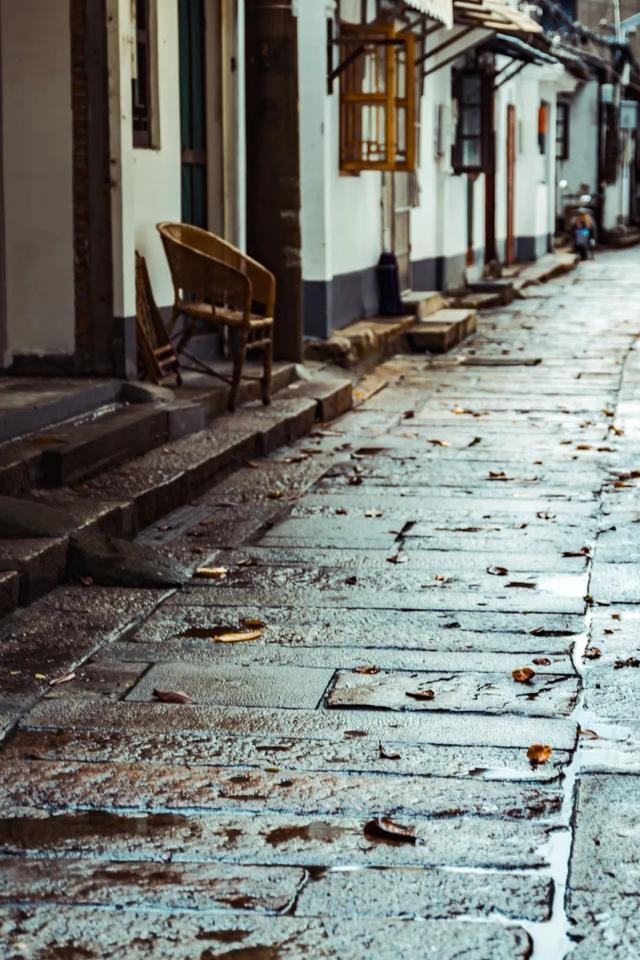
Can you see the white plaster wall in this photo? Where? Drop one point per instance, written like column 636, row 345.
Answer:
column 37, row 145
column 156, row 171
column 582, row 164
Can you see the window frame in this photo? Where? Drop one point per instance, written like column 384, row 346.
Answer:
column 563, row 109
column 394, row 155
column 482, row 105
column 144, row 92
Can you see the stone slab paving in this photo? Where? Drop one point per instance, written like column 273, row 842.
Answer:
column 475, row 516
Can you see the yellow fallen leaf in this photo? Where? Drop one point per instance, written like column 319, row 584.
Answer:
column 40, row 676
column 238, row 636
column 211, row 573
column 539, row 753
column 523, row 674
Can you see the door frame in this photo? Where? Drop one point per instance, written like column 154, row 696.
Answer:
column 510, row 245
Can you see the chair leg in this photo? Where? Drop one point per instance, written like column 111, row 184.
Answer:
column 238, row 363
column 266, row 374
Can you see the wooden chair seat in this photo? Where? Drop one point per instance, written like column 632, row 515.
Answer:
column 222, row 315
column 207, row 271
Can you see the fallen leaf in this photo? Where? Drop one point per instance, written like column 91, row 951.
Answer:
column 374, row 513
column 351, row 581
column 367, row 668
column 542, row 661
column 238, row 636
column 497, row 571
column 606, row 450
column 399, row 557
column 252, row 464
column 497, row 475
column 67, row 678
column 592, row 653
column 387, row 756
column 172, row 696
column 521, row 584
column 408, row 415
column 275, row 495
column 616, row 616
column 355, row 480
column 584, row 552
column 87, row 581
column 439, row 443
column 475, row 441
column 253, row 623
column 588, row 734
column 382, row 828
column 523, row 674
column 545, row 515
column 607, row 412
column 249, row 562
column 341, row 512
column 420, row 694
column 619, row 432
column 40, row 676
column 539, row 753
column 211, row 573
column 584, row 446
column 440, row 577
column 629, row 662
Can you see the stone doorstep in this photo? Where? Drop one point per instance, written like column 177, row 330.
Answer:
column 124, row 500
column 362, row 345
column 442, row 331
column 422, row 303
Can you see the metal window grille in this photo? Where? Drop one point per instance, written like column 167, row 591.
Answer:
column 141, row 82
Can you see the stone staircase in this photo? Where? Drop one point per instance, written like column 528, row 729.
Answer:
column 117, row 467
column 436, row 327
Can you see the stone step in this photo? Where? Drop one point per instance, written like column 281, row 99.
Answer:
column 29, row 404
column 422, row 303
column 477, row 301
column 442, row 331
column 500, row 287
column 123, row 500
column 362, row 345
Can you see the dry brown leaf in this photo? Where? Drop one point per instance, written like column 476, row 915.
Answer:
column 238, row 636
column 606, row 450
column 172, row 696
column 399, row 557
column 497, row 475
column 440, row 577
column 367, row 668
column 521, row 585
column 211, row 573
column 592, row 653
column 387, row 756
column 629, row 662
column 588, row 734
column 374, row 513
column 275, row 495
column 616, row 616
column 252, row 464
column 584, row 446
column 475, row 441
column 439, row 443
column 408, row 415
column 542, row 661
column 67, row 678
column 382, row 828
column 523, row 674
column 341, row 512
column 86, row 581
column 351, row 581
column 355, row 480
column 607, row 412
column 584, row 552
column 252, row 623
column 619, row 432
column 497, row 571
column 539, row 753
column 420, row 694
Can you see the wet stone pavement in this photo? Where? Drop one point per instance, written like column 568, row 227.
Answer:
column 354, row 777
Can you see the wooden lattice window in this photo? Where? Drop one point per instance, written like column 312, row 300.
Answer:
column 141, row 82
column 377, row 99
column 562, row 130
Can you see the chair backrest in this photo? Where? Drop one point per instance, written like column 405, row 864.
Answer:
column 198, row 274
column 208, row 243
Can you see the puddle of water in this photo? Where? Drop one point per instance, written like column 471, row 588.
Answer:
column 32, row 833
column 309, row 831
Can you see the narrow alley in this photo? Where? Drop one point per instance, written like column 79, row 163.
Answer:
column 370, row 680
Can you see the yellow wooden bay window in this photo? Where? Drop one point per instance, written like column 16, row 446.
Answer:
column 378, row 93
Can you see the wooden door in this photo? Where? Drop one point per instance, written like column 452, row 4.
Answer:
column 193, row 112
column 402, row 227
column 510, row 248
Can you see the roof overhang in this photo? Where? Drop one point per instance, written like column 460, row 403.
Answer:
column 494, row 15
column 517, row 49
column 441, row 10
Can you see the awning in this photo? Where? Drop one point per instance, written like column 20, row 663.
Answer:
column 493, row 15
column 441, row 10
column 517, row 49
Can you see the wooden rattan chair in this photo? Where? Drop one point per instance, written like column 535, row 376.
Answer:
column 217, row 284
column 155, row 348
